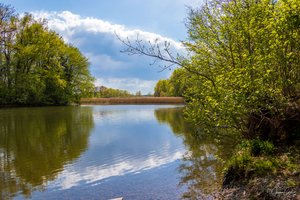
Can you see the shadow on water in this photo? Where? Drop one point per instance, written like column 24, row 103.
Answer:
column 36, row 143
column 201, row 167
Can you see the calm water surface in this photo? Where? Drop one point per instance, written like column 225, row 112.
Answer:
column 104, row 152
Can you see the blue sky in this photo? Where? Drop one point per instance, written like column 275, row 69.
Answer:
column 90, row 25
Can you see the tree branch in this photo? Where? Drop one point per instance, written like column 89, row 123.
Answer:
column 154, row 50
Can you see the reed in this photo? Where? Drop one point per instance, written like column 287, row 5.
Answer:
column 132, row 100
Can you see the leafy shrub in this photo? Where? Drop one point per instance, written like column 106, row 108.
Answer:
column 251, row 158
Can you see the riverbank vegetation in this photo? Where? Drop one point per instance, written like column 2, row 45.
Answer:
column 133, row 100
column 243, row 76
column 36, row 66
column 172, row 87
column 105, row 92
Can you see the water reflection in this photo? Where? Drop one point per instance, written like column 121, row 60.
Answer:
column 101, row 152
column 36, row 143
column 125, row 140
column 201, row 168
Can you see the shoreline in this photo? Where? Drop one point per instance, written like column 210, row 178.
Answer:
column 132, row 100
column 110, row 101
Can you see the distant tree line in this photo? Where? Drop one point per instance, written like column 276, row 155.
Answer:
column 36, row 65
column 106, row 92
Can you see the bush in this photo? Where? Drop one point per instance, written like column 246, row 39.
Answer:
column 256, row 158
column 258, row 147
column 252, row 157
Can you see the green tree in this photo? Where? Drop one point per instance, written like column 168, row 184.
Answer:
column 243, row 69
column 77, row 74
column 37, row 66
column 247, row 52
column 178, row 82
column 162, row 88
column 105, row 92
column 7, row 33
column 176, row 85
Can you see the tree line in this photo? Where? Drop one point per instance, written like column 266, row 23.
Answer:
column 106, row 92
column 36, row 66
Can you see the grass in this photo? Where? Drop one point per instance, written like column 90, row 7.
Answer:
column 259, row 170
column 259, row 158
column 133, row 100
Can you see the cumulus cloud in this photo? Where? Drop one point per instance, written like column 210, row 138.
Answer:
column 68, row 24
column 97, row 40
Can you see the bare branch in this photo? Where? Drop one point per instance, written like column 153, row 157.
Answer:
column 154, row 50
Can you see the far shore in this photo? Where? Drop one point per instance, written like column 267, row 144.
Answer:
column 132, row 100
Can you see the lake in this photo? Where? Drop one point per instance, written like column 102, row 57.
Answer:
column 104, row 152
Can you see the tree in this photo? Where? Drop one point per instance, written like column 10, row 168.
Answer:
column 175, row 86
column 250, row 51
column 162, row 88
column 243, row 72
column 7, row 33
column 77, row 74
column 178, row 82
column 138, row 93
column 37, row 66
column 105, row 92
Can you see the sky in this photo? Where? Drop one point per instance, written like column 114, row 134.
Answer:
column 92, row 25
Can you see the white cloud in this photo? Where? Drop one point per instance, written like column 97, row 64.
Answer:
column 131, row 84
column 68, row 23
column 97, row 40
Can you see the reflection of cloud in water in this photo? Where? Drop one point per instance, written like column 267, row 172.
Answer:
column 70, row 177
column 116, row 116
column 125, row 140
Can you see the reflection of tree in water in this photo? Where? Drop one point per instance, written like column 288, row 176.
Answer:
column 36, row 143
column 174, row 118
column 201, row 168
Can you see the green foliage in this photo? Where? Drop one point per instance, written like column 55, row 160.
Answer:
column 38, row 66
column 243, row 74
column 162, row 88
column 175, row 86
column 244, row 68
column 258, row 158
column 178, row 82
column 251, row 158
column 259, row 147
column 105, row 92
